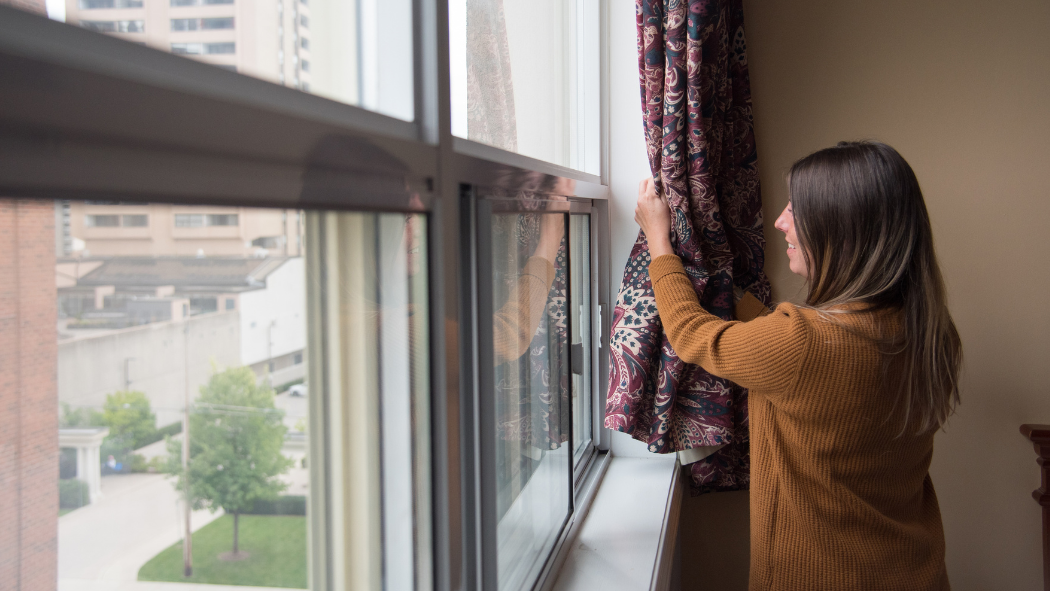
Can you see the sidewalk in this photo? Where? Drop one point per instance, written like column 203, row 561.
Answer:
column 102, row 546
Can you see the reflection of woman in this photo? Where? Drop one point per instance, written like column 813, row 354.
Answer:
column 517, row 320
column 847, row 391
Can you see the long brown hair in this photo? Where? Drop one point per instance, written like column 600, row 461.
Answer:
column 865, row 234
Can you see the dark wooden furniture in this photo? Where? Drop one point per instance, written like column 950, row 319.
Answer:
column 1040, row 436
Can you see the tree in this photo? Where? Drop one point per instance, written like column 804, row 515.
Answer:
column 129, row 418
column 236, row 436
column 80, row 417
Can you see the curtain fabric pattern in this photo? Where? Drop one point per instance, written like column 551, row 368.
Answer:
column 696, row 104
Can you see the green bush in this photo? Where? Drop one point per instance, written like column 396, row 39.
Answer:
column 284, row 387
column 72, row 493
column 138, row 463
column 285, row 505
column 80, row 417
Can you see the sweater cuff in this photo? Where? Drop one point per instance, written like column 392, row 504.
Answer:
column 663, row 266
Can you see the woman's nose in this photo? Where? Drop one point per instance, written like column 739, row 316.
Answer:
column 781, row 223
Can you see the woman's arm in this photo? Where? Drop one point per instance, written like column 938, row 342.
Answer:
column 764, row 353
column 515, row 323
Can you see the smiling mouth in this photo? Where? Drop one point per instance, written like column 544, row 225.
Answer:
column 791, row 246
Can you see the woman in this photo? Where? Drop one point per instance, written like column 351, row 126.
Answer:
column 847, row 390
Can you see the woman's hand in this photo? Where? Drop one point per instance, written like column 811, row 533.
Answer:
column 654, row 216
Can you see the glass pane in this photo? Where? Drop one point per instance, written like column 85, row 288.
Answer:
column 171, row 315
column 525, row 77
column 580, row 331
column 530, row 331
column 331, row 48
column 369, row 282
column 210, row 316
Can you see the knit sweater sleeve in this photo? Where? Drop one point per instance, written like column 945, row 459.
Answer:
column 516, row 322
column 762, row 354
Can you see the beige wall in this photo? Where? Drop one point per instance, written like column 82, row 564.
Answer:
column 962, row 90
column 162, row 238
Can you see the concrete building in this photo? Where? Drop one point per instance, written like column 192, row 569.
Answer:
column 130, row 229
column 267, row 39
column 164, row 325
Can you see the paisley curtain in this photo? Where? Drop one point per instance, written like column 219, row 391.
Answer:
column 696, row 104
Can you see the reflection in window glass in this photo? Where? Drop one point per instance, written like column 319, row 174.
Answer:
column 152, row 331
column 580, row 329
column 350, row 60
column 531, row 389
column 529, row 71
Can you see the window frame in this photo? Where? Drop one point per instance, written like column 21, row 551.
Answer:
column 232, row 140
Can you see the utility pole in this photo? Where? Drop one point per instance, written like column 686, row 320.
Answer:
column 269, row 351
column 187, row 543
column 127, row 373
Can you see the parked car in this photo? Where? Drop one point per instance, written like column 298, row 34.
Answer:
column 297, row 390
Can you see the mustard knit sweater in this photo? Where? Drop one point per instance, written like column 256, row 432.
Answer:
column 838, row 502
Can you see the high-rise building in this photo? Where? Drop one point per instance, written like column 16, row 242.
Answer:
column 268, row 39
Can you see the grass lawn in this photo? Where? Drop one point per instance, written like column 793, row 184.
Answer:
column 276, row 545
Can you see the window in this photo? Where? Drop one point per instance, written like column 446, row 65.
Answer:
column 534, row 323
column 201, row 24
column 202, row 48
column 199, row 2
column 200, row 220
column 363, row 69
column 536, row 99
column 261, row 279
column 93, row 4
column 102, row 221
column 115, row 26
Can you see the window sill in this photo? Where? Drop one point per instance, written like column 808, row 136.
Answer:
column 626, row 541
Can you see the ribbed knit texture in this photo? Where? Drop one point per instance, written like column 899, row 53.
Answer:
column 838, row 502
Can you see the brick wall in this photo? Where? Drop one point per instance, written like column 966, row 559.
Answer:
column 28, row 397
